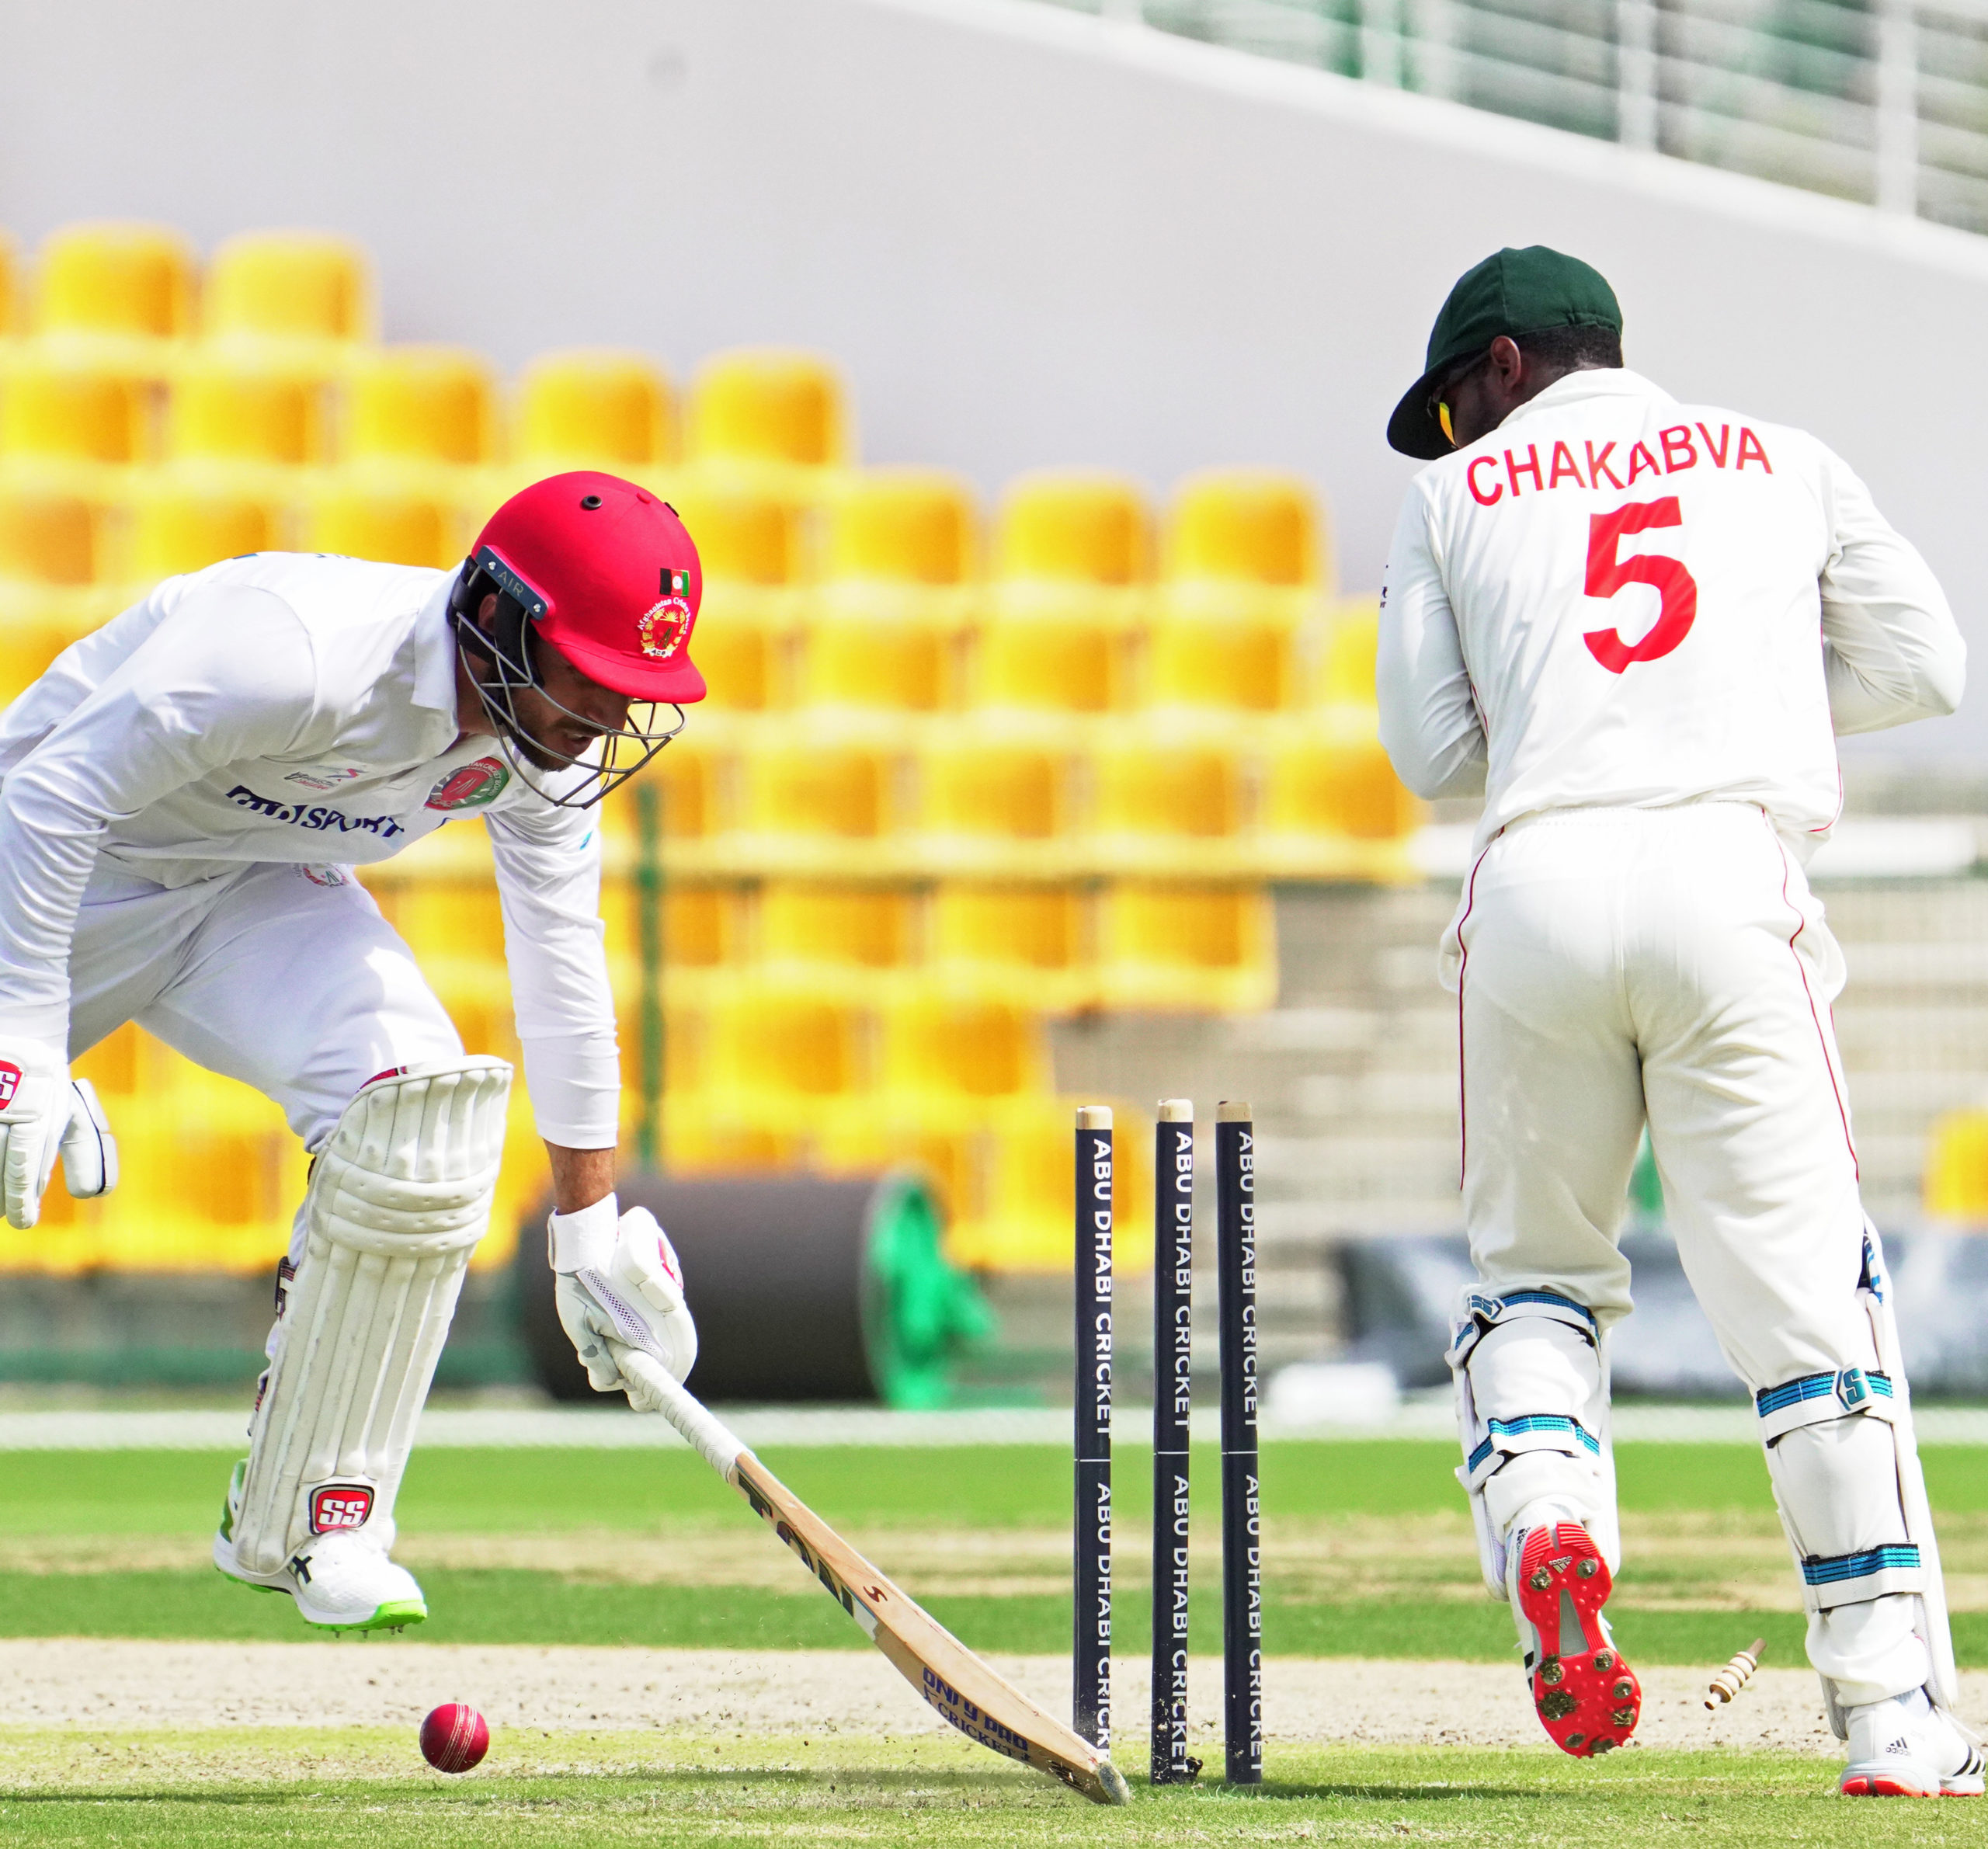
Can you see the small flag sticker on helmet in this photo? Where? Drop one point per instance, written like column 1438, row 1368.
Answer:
column 674, row 583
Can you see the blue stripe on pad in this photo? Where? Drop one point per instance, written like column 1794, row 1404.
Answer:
column 1814, row 1386
column 1833, row 1569
column 1534, row 1422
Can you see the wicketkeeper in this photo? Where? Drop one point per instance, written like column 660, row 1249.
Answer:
column 186, row 793
column 1636, row 627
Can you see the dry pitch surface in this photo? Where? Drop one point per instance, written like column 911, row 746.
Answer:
column 88, row 1683
column 156, row 1746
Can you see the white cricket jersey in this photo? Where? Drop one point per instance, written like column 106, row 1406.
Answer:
column 293, row 707
column 1615, row 598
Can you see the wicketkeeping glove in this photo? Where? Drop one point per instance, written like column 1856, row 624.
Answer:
column 43, row 1112
column 619, row 1285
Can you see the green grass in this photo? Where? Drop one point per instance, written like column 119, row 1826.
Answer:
column 510, row 1606
column 364, row 1788
column 154, row 1493
column 139, row 1494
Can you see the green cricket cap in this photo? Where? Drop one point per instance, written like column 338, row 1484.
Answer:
column 1516, row 292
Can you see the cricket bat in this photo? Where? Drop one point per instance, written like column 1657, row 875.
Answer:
column 954, row 1681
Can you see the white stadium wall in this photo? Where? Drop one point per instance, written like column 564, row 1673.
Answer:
column 1033, row 236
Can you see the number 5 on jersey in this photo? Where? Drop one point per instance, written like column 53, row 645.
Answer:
column 1606, row 575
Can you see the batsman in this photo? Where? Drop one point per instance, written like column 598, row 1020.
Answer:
column 1636, row 625
column 184, row 795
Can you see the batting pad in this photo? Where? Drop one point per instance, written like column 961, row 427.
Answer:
column 399, row 1196
column 1532, row 1375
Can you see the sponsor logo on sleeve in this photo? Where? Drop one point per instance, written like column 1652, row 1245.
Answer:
column 303, row 814
column 322, row 777
column 662, row 627
column 324, row 876
column 472, row 786
column 10, row 1081
column 335, row 1506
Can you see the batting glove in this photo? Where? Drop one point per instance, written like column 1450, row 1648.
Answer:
column 619, row 1286
column 43, row 1113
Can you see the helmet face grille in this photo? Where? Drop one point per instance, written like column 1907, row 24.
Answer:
column 615, row 754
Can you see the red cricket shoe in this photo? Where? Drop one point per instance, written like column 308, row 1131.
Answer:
column 1588, row 1699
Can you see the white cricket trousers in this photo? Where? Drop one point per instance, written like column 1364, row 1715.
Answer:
column 1621, row 966
column 285, row 976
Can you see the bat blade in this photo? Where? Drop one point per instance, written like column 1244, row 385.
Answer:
column 964, row 1690
column 955, row 1683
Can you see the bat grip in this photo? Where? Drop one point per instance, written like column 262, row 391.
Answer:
column 707, row 1435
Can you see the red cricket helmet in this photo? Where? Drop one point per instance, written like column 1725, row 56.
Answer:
column 607, row 574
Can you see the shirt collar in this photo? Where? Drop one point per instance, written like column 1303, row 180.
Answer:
column 434, row 652
column 1590, row 382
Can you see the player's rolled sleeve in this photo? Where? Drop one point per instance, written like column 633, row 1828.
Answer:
column 1890, row 648
column 1429, row 724
column 548, row 883
column 228, row 674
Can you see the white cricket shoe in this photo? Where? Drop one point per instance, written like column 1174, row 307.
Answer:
column 341, row 1581
column 1905, row 1747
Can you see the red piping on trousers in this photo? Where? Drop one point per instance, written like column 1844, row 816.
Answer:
column 1463, row 970
column 1829, row 1064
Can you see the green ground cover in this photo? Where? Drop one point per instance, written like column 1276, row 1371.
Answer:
column 1368, row 1551
column 160, row 1791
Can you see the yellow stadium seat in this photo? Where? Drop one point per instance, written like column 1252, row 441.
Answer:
column 701, row 928
column 365, row 518
column 769, row 405
column 1243, row 569
column 870, row 1135
column 1347, row 676
column 55, row 550
column 705, row 1136
column 822, row 785
column 751, row 544
column 745, row 533
column 1022, row 1216
column 126, row 280
column 783, row 1043
column 289, row 286
column 1333, row 778
column 444, row 920
column 902, row 526
column 1246, row 527
column 49, row 535
column 183, row 523
column 940, row 1043
column 888, row 627
column 1163, row 786
column 1073, row 526
column 1225, row 651
column 1072, row 555
column 813, row 922
column 744, row 638
column 1054, row 648
column 1025, row 942
column 874, row 650
column 421, row 404
column 1956, row 1184
column 233, row 406
column 594, row 407
column 688, row 776
column 976, row 782
column 1166, row 946
column 63, row 408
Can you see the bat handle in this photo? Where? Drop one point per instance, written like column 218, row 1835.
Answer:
column 707, row 1435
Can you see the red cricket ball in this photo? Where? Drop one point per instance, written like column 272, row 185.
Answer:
column 454, row 1737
